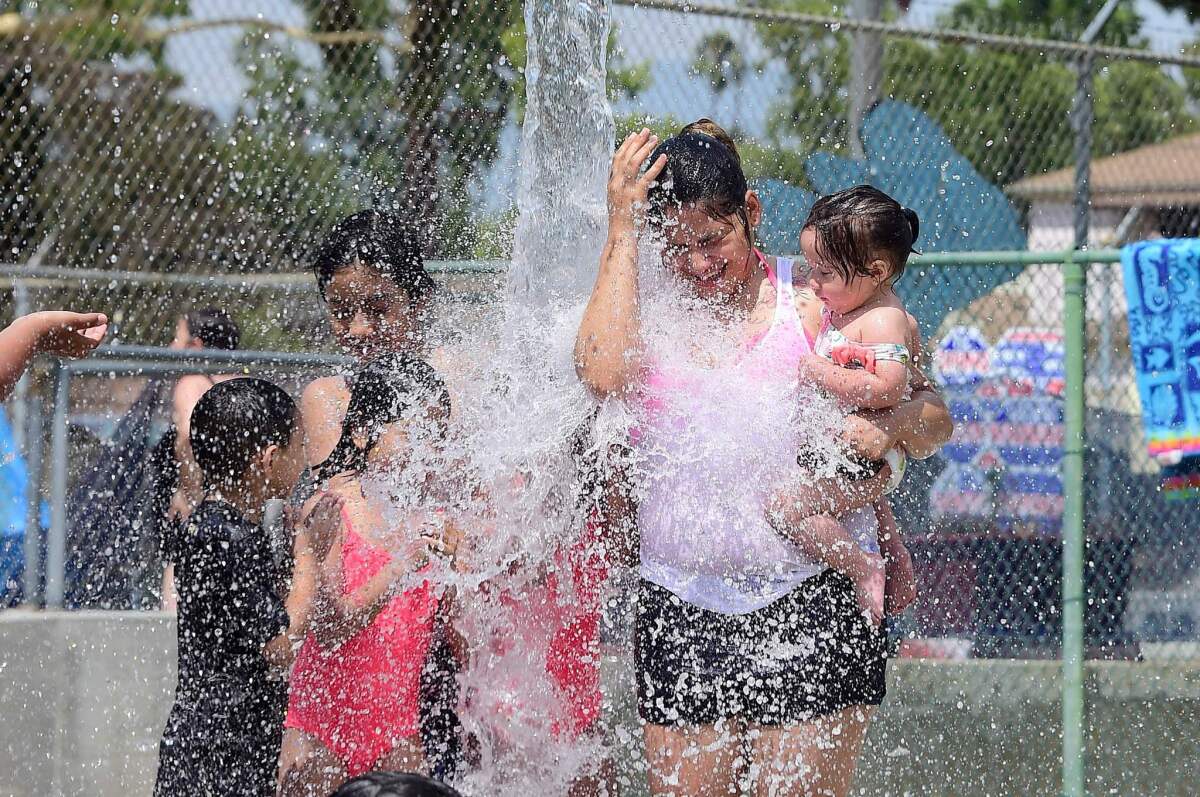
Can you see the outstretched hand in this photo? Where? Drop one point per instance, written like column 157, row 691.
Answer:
column 628, row 191
column 64, row 333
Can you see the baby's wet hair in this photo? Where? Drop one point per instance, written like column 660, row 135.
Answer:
column 235, row 421
column 378, row 240
column 862, row 224
column 703, row 170
column 383, row 392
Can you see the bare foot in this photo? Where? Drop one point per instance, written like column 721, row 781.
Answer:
column 869, row 589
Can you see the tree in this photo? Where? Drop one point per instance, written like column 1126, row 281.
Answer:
column 408, row 125
column 720, row 60
column 1007, row 111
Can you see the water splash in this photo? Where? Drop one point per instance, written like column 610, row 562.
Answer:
column 566, row 148
column 521, row 578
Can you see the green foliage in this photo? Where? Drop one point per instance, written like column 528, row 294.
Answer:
column 1008, row 112
column 1046, row 19
column 720, row 60
column 107, row 28
column 1189, row 7
column 1138, row 104
column 405, row 125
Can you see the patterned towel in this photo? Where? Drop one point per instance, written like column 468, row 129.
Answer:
column 1162, row 283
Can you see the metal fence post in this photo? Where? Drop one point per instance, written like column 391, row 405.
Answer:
column 1073, row 531
column 34, row 439
column 1075, row 339
column 56, row 541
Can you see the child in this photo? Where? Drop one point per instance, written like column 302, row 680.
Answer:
column 356, row 684
column 210, row 328
column 223, row 733
column 56, row 332
column 371, row 276
column 394, row 784
column 857, row 243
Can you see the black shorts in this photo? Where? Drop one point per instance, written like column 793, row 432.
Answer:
column 809, row 654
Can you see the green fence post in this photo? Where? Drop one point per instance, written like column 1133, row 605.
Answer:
column 1073, row 528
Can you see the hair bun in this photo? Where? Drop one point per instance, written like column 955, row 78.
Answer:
column 914, row 223
column 711, row 129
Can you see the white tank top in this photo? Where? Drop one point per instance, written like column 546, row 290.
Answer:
column 713, row 442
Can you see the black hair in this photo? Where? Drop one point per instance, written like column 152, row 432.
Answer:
column 860, row 224
column 382, row 392
column 234, row 421
column 213, row 327
column 381, row 241
column 710, row 128
column 703, row 169
column 394, row 784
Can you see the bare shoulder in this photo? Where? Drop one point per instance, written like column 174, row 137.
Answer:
column 323, row 394
column 914, row 332
column 883, row 324
column 189, row 389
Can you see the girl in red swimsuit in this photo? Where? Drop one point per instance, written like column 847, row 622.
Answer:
column 356, row 682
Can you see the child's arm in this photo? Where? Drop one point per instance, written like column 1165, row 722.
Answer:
column 57, row 332
column 338, row 616
column 302, row 595
column 885, row 386
column 322, row 407
column 617, row 515
column 901, row 586
column 187, row 394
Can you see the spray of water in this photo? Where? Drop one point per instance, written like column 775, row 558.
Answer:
column 526, row 588
column 521, row 580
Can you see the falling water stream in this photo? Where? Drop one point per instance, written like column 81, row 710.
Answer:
column 517, row 417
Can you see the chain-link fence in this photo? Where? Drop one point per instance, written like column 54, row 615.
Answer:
column 161, row 156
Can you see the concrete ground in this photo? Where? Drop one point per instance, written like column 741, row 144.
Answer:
column 83, row 697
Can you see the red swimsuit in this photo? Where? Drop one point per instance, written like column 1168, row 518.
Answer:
column 362, row 697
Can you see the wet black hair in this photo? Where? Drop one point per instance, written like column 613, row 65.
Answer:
column 213, row 327
column 394, row 784
column 381, row 241
column 382, row 392
column 703, row 169
column 861, row 224
column 234, row 421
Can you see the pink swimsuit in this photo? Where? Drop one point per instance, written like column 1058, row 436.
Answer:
column 362, row 697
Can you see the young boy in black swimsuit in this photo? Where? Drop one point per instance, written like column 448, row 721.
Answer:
column 224, row 731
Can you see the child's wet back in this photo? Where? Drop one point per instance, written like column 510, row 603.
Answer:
column 229, row 607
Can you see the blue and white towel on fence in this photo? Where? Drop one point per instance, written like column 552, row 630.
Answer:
column 1162, row 284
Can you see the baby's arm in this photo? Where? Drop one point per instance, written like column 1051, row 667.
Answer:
column 883, row 387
